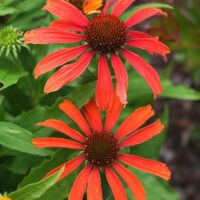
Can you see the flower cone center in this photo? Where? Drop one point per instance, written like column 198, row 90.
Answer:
column 105, row 33
column 101, row 149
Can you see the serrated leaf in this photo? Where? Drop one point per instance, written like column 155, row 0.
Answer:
column 17, row 138
column 35, row 190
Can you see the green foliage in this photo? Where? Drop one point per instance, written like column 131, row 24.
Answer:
column 19, row 139
column 23, row 103
column 35, row 190
column 156, row 189
column 9, row 75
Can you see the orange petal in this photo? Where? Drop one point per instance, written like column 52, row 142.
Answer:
column 63, row 128
column 92, row 6
column 73, row 112
column 146, row 165
column 94, row 190
column 67, row 25
column 152, row 45
column 69, row 167
column 92, row 114
column 131, row 180
column 134, row 121
column 145, row 70
column 65, row 10
column 115, row 185
column 121, row 78
column 142, row 15
column 57, row 59
column 104, row 88
column 51, row 36
column 143, row 134
column 68, row 73
column 79, row 186
column 121, row 6
column 56, row 143
column 113, row 113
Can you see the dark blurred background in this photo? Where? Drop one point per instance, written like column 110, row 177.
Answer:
column 181, row 30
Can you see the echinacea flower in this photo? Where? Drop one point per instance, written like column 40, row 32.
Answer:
column 100, row 148
column 105, row 35
column 5, row 198
column 87, row 6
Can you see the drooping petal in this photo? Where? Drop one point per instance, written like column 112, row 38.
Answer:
column 73, row 112
column 121, row 78
column 121, row 6
column 131, row 180
column 146, row 165
column 69, row 167
column 65, row 10
column 94, row 190
column 92, row 6
column 79, row 186
column 152, row 45
column 56, row 143
column 66, row 25
column 142, row 15
column 68, row 73
column 115, row 185
column 137, row 34
column 57, row 59
column 104, row 88
column 63, row 128
column 143, row 134
column 134, row 121
column 113, row 113
column 92, row 114
column 51, row 36
column 145, row 70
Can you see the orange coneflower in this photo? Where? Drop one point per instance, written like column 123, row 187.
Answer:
column 105, row 34
column 87, row 6
column 101, row 149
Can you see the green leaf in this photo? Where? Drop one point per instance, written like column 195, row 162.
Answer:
column 7, row 11
column 152, row 5
column 60, row 190
column 180, row 91
column 154, row 187
column 9, row 75
column 142, row 94
column 131, row 11
column 79, row 96
column 35, row 190
column 17, row 138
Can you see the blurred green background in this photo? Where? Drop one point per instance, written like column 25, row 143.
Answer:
column 23, row 103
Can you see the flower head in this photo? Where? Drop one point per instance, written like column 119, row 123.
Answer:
column 11, row 41
column 100, row 148
column 105, row 35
